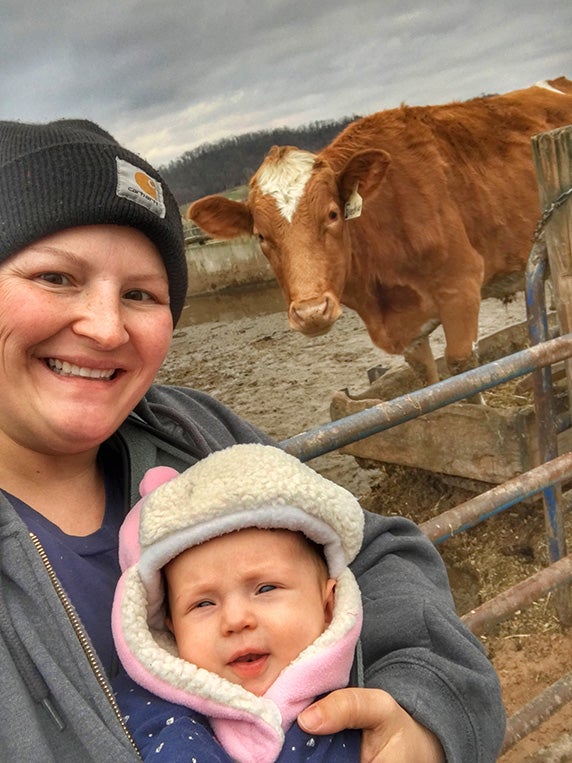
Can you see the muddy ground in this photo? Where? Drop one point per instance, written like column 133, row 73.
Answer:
column 283, row 382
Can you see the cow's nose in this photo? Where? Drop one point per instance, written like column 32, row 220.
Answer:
column 314, row 316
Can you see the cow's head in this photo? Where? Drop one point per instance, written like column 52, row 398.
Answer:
column 301, row 211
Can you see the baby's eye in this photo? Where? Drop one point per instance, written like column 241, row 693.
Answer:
column 266, row 588
column 205, row 603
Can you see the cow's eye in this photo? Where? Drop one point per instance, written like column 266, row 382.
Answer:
column 332, row 214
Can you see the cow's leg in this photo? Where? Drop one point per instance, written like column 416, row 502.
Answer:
column 460, row 319
column 460, row 366
column 461, row 340
column 420, row 357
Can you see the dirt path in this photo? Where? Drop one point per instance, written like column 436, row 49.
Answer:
column 283, row 382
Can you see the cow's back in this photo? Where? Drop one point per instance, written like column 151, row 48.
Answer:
column 472, row 159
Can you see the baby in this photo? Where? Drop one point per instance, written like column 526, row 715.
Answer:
column 236, row 608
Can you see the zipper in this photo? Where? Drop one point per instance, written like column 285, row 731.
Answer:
column 82, row 638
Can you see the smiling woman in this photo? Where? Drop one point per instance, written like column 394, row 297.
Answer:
column 93, row 278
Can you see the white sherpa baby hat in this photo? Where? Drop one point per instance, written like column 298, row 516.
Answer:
column 242, row 486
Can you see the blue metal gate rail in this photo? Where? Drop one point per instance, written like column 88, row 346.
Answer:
column 323, row 439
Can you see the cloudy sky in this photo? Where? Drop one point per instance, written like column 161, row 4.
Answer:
column 167, row 75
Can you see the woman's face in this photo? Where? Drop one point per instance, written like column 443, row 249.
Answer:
column 84, row 326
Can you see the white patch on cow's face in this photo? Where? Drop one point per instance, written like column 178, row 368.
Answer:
column 547, row 86
column 286, row 179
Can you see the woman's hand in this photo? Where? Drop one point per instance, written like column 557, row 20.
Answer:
column 390, row 734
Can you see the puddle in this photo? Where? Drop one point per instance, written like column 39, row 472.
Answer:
column 232, row 304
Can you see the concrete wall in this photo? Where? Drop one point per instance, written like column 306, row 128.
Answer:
column 219, row 265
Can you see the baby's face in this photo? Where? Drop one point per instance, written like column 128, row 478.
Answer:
column 244, row 605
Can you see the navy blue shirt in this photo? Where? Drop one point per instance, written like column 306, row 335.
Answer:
column 171, row 733
column 87, row 566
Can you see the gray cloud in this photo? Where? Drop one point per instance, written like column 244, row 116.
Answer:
column 166, row 77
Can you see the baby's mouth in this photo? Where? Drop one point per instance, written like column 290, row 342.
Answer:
column 248, row 658
column 63, row 368
column 249, row 666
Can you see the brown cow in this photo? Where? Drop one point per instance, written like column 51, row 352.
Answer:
column 403, row 218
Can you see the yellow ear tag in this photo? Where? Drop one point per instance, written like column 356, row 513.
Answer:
column 353, row 205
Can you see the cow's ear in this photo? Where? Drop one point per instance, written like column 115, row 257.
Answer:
column 221, row 217
column 364, row 171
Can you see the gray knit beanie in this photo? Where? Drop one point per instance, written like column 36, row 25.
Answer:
column 72, row 172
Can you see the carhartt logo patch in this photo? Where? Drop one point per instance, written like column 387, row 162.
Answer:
column 135, row 184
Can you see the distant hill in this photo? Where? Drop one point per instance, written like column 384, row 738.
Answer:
column 230, row 163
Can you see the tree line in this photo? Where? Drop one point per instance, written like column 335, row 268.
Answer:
column 231, row 162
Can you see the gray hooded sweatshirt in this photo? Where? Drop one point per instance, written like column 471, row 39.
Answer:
column 56, row 703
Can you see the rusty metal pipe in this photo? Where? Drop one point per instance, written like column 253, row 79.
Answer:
column 556, row 752
column 497, row 499
column 521, row 595
column 535, row 712
column 323, row 439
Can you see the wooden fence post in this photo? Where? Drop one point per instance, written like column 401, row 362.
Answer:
column 552, row 153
